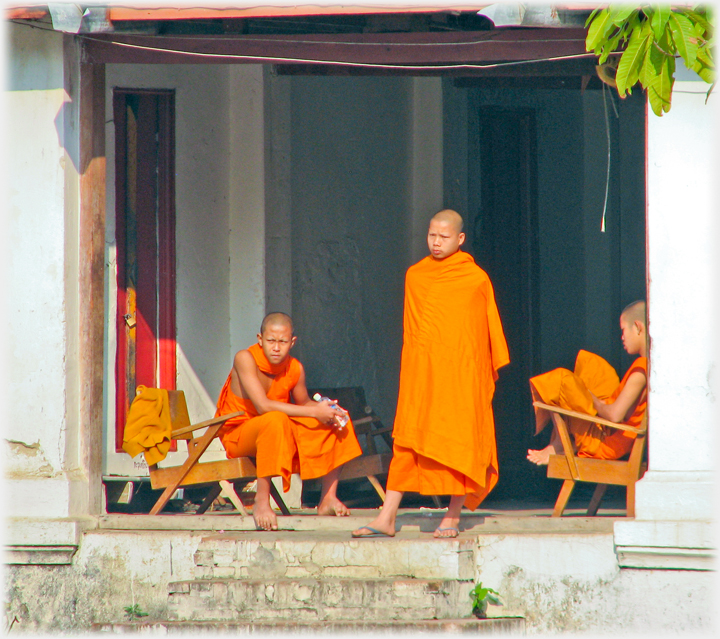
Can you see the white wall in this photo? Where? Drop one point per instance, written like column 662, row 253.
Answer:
column 42, row 450
column 202, row 200
column 246, row 161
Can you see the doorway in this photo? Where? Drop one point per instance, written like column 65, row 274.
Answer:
column 504, row 239
column 145, row 232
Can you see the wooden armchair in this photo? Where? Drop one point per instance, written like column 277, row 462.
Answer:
column 571, row 468
column 217, row 475
column 367, row 427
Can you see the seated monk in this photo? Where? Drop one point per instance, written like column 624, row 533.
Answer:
column 284, row 437
column 594, row 389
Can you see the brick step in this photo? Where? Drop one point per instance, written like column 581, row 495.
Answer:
column 496, row 626
column 235, row 555
column 316, row 600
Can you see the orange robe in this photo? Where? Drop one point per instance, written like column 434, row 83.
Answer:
column 571, row 390
column 282, row 445
column 453, row 346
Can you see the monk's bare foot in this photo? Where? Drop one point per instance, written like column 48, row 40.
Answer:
column 332, row 507
column 541, row 457
column 264, row 516
column 448, row 528
column 376, row 528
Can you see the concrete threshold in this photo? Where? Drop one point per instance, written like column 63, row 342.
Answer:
column 410, row 522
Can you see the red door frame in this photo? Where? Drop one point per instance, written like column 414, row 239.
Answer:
column 153, row 207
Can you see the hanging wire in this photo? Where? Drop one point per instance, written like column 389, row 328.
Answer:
column 607, row 178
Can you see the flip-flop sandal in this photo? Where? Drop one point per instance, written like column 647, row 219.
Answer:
column 373, row 533
column 457, row 532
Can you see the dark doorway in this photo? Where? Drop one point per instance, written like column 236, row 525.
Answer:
column 504, row 239
column 145, row 231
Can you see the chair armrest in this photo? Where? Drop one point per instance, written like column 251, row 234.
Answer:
column 208, row 422
column 595, row 419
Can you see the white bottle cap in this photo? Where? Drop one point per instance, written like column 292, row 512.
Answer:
column 317, row 397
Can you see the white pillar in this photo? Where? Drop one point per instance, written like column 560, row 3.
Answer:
column 674, row 500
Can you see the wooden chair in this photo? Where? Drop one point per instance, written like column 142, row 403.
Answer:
column 217, row 475
column 368, row 426
column 571, row 468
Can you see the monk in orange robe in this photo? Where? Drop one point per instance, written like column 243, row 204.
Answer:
column 283, row 436
column 594, row 388
column 453, row 346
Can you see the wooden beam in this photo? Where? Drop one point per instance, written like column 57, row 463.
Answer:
column 91, row 270
column 422, row 48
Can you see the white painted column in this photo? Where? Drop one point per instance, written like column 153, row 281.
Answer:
column 427, row 160
column 46, row 472
column 674, row 502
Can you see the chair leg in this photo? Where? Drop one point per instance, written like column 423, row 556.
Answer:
column 278, row 500
column 563, row 497
column 207, row 502
column 630, row 500
column 596, row 499
column 376, row 485
column 228, row 490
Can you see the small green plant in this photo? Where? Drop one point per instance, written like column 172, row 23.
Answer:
column 481, row 597
column 134, row 612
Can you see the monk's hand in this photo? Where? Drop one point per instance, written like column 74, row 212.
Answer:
column 325, row 413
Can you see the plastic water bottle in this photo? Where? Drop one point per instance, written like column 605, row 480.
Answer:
column 340, row 420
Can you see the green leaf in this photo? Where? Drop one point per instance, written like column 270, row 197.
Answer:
column 661, row 87
column 599, row 27
column 659, row 19
column 705, row 72
column 684, row 37
column 632, row 59
column 620, row 14
column 592, row 16
column 697, row 19
column 655, row 102
column 648, row 70
column 704, row 54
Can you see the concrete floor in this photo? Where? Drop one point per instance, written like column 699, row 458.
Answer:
column 411, row 522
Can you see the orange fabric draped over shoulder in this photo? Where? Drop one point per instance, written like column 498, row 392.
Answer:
column 282, row 445
column 571, row 390
column 453, row 346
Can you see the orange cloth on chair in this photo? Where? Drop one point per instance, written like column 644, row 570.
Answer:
column 282, row 445
column 571, row 390
column 453, row 346
column 148, row 425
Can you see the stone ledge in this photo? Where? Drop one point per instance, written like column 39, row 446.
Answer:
column 665, row 558
column 39, row 555
column 495, row 626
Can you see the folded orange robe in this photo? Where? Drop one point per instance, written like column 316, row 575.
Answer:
column 280, row 444
column 453, row 346
column 148, row 425
column 571, row 390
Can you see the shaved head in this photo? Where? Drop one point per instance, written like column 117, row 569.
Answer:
column 453, row 218
column 277, row 319
column 635, row 312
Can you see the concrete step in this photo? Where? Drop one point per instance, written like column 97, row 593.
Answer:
column 323, row 555
column 497, row 626
column 314, row 600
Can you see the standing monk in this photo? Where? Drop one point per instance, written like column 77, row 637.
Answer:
column 453, row 346
column 284, row 437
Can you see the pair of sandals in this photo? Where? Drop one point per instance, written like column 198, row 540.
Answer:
column 379, row 533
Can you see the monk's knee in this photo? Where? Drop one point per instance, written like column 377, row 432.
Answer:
column 276, row 423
